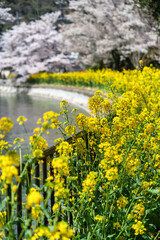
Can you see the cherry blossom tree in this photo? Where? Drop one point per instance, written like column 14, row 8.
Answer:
column 5, row 16
column 102, row 30
column 33, row 47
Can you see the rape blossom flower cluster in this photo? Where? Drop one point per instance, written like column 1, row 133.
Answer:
column 104, row 179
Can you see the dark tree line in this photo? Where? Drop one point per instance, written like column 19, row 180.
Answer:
column 33, row 9
column 151, row 8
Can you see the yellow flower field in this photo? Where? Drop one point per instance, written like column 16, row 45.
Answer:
column 106, row 181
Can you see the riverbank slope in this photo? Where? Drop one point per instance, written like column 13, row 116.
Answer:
column 77, row 96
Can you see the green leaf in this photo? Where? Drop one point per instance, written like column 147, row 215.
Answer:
column 45, row 212
column 38, row 188
column 3, row 204
column 152, row 225
column 154, row 191
column 138, row 181
column 146, row 237
column 111, row 235
column 89, row 234
column 140, row 197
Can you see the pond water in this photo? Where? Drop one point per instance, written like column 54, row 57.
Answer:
column 32, row 107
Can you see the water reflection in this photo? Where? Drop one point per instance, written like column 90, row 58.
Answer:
column 32, row 107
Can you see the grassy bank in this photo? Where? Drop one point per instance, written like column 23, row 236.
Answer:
column 89, row 79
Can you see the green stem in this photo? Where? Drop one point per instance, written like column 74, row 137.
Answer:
column 124, row 221
column 20, row 155
column 103, row 227
column 12, row 202
column 11, row 229
column 24, row 229
column 25, row 129
column 157, row 235
column 79, row 213
column 93, row 231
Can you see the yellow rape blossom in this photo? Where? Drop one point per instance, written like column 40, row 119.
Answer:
column 35, row 211
column 122, row 202
column 64, row 148
column 21, row 120
column 116, row 225
column 37, row 153
column 61, row 165
column 5, row 126
column 90, row 182
column 8, row 173
column 55, row 207
column 50, row 116
column 98, row 218
column 37, row 130
column 96, row 104
column 3, row 145
column 112, row 174
column 70, row 130
column 60, row 191
column 16, row 140
column 139, row 210
column 81, row 121
column 33, row 198
column 14, row 188
column 63, row 104
column 38, row 142
column 61, row 231
column 2, row 235
column 139, row 228
column 2, row 219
